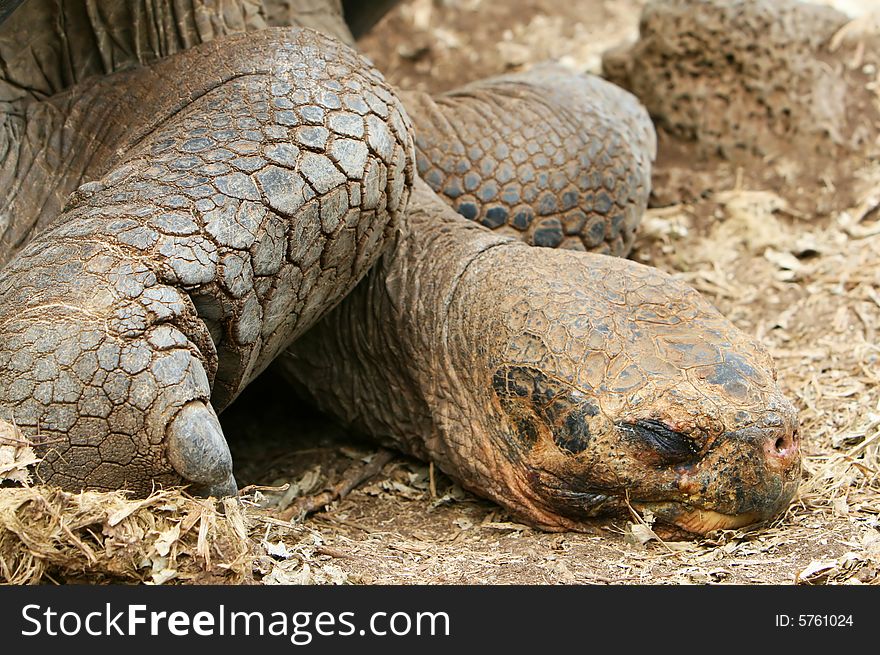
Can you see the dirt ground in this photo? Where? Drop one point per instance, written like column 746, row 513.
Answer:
column 806, row 283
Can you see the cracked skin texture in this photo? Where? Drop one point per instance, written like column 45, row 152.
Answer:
column 246, row 202
column 223, row 214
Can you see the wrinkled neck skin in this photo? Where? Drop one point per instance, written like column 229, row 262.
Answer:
column 61, row 124
column 379, row 361
column 563, row 385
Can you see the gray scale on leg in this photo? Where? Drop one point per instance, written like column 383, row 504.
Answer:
column 240, row 243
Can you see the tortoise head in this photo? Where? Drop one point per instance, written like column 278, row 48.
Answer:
column 610, row 383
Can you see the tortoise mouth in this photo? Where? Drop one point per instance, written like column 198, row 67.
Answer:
column 696, row 520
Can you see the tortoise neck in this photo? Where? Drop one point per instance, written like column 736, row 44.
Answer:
column 406, row 328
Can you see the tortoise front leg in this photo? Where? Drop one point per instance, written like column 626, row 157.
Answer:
column 280, row 167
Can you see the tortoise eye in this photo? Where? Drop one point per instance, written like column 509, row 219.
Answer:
column 672, row 446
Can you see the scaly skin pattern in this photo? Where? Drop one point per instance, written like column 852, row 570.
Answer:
column 560, row 384
column 551, row 157
column 240, row 205
column 54, row 127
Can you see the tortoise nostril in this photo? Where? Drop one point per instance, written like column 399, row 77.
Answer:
column 784, row 446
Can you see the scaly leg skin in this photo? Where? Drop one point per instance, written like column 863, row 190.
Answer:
column 54, row 108
column 258, row 180
column 562, row 385
column 551, row 157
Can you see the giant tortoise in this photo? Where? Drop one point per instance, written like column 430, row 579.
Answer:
column 194, row 190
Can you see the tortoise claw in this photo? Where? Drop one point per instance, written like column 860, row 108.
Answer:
column 198, row 451
column 224, row 489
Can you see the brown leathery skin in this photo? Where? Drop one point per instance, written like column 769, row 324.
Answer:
column 242, row 204
column 552, row 157
column 559, row 384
